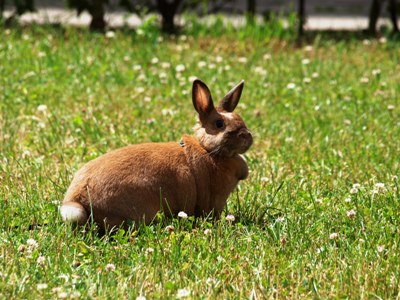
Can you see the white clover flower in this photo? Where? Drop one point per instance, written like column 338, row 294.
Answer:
column 356, row 185
column 347, row 122
column 41, row 260
column 260, row 70
column 180, row 68
column 140, row 89
column 162, row 75
column 165, row 65
column 210, row 280
column 308, row 48
column 381, row 248
column 167, row 111
column 41, row 54
column 351, row 213
column 63, row 295
column 315, row 75
column 280, row 219
column 183, row 293
column 230, row 218
column 212, row 66
column 267, row 56
column 42, row 286
column 218, row 59
column 56, row 289
column 242, row 60
column 110, row 34
column 151, row 121
column 348, row 199
column 291, row 86
column 140, row 32
column 333, row 235
column 318, row 201
column 137, row 67
column 379, row 185
column 364, row 80
column 382, row 40
column 149, row 250
column 376, row 72
column 306, row 80
column 140, row 297
column 42, row 108
column 182, row 215
column 391, row 107
column 26, row 153
column 147, row 99
column 305, row 61
column 366, row 42
column 110, row 267
column 264, row 179
column 169, row 228
column 154, row 60
column 31, row 243
column 192, row 78
column 201, row 64
column 207, row 231
column 75, row 294
column 354, row 190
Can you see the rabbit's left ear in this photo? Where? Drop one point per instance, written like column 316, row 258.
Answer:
column 202, row 100
column 231, row 100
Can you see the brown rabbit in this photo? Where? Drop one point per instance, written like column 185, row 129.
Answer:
column 196, row 176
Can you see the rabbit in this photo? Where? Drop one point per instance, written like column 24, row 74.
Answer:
column 132, row 184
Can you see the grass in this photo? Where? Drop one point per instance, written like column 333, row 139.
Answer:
column 324, row 117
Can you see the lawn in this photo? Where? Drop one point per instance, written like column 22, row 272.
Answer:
column 318, row 217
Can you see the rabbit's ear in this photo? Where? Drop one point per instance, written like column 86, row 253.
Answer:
column 231, row 100
column 201, row 97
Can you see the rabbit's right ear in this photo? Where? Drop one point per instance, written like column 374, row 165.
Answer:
column 202, row 100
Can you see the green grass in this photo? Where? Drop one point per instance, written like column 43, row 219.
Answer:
column 313, row 142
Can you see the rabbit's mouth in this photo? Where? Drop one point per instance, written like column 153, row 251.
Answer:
column 238, row 142
column 246, row 138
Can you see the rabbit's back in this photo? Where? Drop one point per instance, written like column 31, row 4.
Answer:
column 135, row 182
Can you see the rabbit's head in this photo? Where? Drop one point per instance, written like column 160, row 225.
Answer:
column 220, row 131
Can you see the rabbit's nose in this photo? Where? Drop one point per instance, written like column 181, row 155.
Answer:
column 245, row 134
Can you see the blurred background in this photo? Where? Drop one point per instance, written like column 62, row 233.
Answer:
column 366, row 15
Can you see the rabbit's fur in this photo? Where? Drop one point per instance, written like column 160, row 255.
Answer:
column 196, row 176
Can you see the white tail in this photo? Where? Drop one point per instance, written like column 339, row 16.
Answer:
column 73, row 212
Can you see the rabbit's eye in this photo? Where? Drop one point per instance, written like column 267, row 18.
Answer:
column 219, row 123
